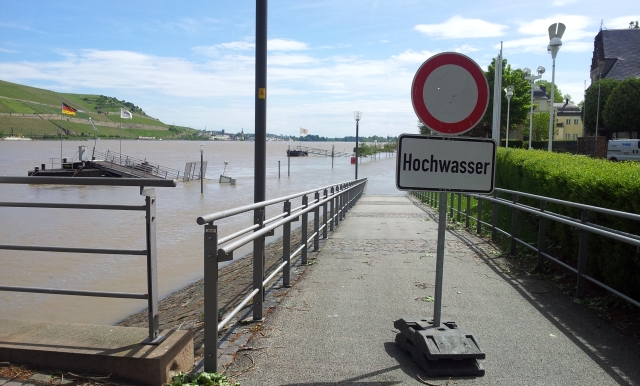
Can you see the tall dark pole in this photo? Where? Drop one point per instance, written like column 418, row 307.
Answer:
column 260, row 161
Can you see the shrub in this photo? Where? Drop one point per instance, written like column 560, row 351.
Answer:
column 585, row 180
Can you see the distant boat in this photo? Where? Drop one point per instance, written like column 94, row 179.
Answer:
column 297, row 153
column 18, row 138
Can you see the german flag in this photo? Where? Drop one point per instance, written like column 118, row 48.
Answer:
column 66, row 109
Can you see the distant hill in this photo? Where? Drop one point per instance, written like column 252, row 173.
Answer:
column 37, row 113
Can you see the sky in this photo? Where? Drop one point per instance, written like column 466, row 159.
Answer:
column 191, row 63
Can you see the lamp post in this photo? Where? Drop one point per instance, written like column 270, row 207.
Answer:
column 201, row 146
column 509, row 91
column 556, row 30
column 357, row 115
column 532, row 79
column 600, row 68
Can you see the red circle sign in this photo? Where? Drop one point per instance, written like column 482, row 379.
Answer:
column 450, row 93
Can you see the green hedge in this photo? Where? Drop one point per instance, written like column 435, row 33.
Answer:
column 597, row 182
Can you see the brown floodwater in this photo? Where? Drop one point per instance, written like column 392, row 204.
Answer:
column 179, row 238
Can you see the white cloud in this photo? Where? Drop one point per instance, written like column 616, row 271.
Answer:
column 411, row 56
column 289, row 60
column 465, row 48
column 620, row 22
column 6, row 51
column 560, row 3
column 384, row 41
column 577, row 26
column 458, row 27
column 285, row 45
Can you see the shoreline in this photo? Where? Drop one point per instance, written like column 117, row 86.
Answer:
column 184, row 309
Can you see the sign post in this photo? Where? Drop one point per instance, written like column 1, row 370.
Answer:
column 450, row 95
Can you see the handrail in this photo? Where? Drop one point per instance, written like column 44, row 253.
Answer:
column 150, row 235
column 104, row 181
column 209, row 218
column 334, row 200
column 591, row 208
column 580, row 224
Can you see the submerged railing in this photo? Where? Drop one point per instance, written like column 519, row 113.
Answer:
column 334, row 201
column 544, row 215
column 146, row 189
column 143, row 168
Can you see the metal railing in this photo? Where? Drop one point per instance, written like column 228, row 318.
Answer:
column 149, row 207
column 138, row 166
column 334, row 201
column 582, row 225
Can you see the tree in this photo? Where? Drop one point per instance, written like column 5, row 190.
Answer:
column 540, row 129
column 424, row 130
column 623, row 106
column 634, row 24
column 605, row 87
column 520, row 102
column 557, row 94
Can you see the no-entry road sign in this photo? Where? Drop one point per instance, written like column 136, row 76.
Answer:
column 450, row 93
column 453, row 164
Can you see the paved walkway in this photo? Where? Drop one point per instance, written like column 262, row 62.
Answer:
column 335, row 326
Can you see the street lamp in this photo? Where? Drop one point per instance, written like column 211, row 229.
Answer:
column 509, row 91
column 532, row 79
column 357, row 115
column 600, row 68
column 201, row 146
column 556, row 30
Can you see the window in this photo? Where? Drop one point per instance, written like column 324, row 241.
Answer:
column 576, row 121
column 575, row 136
column 568, row 121
column 566, row 136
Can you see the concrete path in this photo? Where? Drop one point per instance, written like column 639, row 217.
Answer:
column 335, row 326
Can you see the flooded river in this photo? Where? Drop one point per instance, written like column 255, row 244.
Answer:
column 179, row 238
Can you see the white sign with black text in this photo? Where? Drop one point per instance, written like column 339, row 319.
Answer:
column 454, row 164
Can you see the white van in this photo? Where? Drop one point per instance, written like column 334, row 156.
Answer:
column 623, row 150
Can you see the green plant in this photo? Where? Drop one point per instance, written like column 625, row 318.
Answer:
column 204, row 379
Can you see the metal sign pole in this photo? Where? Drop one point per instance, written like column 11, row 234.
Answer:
column 442, row 228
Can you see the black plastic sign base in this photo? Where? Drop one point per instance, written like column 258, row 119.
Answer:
column 440, row 351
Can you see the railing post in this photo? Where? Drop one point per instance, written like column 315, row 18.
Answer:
column 152, row 269
column 325, row 221
column 332, row 221
column 341, row 203
column 258, row 267
column 479, row 225
column 211, row 298
column 459, row 205
column 468, row 210
column 316, row 223
column 305, row 220
column 494, row 217
column 542, row 227
column 514, row 225
column 582, row 256
column 451, row 208
column 286, row 247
